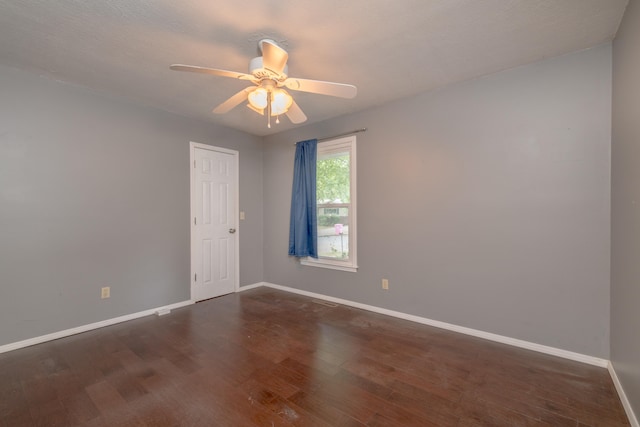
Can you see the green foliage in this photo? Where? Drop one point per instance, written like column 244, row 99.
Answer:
column 332, row 177
column 328, row 220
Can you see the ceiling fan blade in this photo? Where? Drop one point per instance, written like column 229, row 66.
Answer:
column 295, row 114
column 234, row 101
column 257, row 110
column 274, row 58
column 324, row 88
column 212, row 71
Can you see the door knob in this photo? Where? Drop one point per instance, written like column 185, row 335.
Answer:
column 232, row 230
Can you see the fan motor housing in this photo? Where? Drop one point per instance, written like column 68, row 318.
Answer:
column 256, row 68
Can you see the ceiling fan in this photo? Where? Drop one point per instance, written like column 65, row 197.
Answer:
column 268, row 73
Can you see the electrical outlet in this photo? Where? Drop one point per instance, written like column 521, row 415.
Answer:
column 385, row 284
column 106, row 292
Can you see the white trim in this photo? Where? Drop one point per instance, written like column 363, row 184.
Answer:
column 596, row 361
column 192, row 207
column 633, row 420
column 252, row 286
column 84, row 328
column 325, row 263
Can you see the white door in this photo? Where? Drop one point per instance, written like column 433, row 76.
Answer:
column 214, row 229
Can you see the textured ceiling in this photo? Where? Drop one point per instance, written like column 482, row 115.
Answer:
column 388, row 49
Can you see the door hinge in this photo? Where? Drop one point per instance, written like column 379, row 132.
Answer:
column 194, row 221
column 194, row 164
column 195, row 277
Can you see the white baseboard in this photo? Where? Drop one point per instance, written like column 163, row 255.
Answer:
column 633, row 420
column 252, row 286
column 91, row 326
column 603, row 363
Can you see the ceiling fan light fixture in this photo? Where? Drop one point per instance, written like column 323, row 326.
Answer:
column 280, row 102
column 258, row 98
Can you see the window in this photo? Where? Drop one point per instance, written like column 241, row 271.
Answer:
column 336, row 199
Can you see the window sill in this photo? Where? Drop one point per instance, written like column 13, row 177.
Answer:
column 333, row 265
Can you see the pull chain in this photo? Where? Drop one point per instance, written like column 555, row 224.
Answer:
column 269, row 109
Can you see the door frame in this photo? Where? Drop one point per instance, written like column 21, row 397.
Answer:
column 192, row 211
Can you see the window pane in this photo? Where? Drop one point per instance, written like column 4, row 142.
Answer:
column 332, row 178
column 333, row 232
column 336, row 201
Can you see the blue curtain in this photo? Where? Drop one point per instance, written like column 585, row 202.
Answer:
column 303, row 233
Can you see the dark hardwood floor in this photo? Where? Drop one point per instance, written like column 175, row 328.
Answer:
column 270, row 358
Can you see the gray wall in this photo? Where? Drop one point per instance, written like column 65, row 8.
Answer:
column 486, row 204
column 94, row 192
column 625, row 206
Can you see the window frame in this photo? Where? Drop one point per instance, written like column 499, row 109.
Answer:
column 342, row 144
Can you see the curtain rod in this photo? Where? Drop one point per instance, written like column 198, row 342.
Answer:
column 342, row 134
